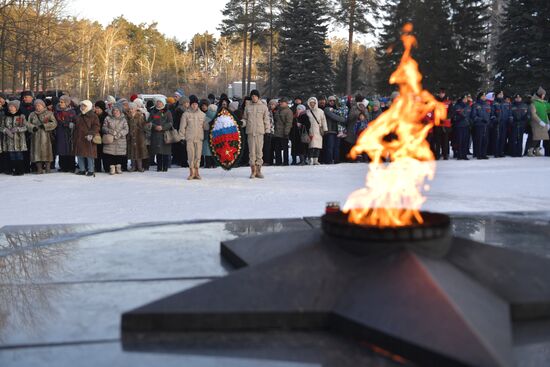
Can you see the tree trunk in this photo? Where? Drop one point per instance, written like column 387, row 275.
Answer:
column 3, row 56
column 270, row 48
column 251, row 47
column 245, row 39
column 349, row 66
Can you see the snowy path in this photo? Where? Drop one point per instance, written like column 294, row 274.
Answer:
column 506, row 184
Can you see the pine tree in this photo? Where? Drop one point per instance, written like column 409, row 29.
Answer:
column 523, row 54
column 341, row 71
column 469, row 24
column 390, row 49
column 435, row 51
column 353, row 15
column 304, row 66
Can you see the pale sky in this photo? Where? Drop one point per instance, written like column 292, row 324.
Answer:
column 181, row 19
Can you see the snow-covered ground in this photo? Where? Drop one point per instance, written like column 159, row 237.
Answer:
column 506, row 184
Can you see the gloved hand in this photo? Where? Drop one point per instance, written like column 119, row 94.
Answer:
column 542, row 123
column 34, row 129
column 42, row 127
column 89, row 137
column 182, row 141
column 71, row 125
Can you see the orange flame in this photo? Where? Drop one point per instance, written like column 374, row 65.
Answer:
column 393, row 193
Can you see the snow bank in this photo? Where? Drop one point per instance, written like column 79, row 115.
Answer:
column 506, row 184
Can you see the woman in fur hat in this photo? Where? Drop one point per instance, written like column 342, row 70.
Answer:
column 14, row 126
column 41, row 123
column 137, row 148
column 161, row 121
column 65, row 116
column 86, row 127
column 115, row 152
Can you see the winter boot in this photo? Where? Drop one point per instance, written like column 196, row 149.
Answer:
column 302, row 160
column 197, row 176
column 19, row 168
column 39, row 168
column 191, row 174
column 133, row 167
column 118, row 169
column 538, row 152
column 139, row 165
column 259, row 172
column 112, row 170
column 252, row 171
column 530, row 152
column 48, row 167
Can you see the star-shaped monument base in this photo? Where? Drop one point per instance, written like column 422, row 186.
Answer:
column 451, row 309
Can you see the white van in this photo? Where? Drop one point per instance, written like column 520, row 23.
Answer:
column 150, row 97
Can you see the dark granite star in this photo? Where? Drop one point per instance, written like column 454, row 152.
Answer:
column 455, row 309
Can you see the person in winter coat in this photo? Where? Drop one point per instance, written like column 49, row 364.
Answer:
column 257, row 123
column 442, row 132
column 65, row 116
column 13, row 125
column 376, row 110
column 298, row 148
column 100, row 109
column 86, row 127
column 211, row 113
column 331, row 146
column 283, row 124
column 461, row 128
column 317, row 128
column 192, row 127
column 539, row 111
column 161, row 121
column 116, row 126
column 4, row 156
column 268, row 136
column 179, row 151
column 302, row 130
column 481, row 118
column 26, row 108
column 41, row 123
column 137, row 147
column 520, row 119
column 501, row 119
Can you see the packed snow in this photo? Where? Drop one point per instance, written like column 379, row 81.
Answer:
column 506, row 184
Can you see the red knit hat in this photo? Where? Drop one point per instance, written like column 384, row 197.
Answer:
column 132, row 97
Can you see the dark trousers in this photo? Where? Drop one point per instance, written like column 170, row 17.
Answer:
column 441, row 142
column 66, row 163
column 481, row 140
column 280, row 148
column 268, row 149
column 314, row 152
column 462, row 141
column 516, row 139
column 244, row 150
column 163, row 162
column 492, row 138
column 331, row 149
column 99, row 160
column 497, row 139
column 112, row 160
column 15, row 163
column 179, row 154
column 5, row 163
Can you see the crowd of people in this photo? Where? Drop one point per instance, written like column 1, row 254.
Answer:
column 113, row 136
